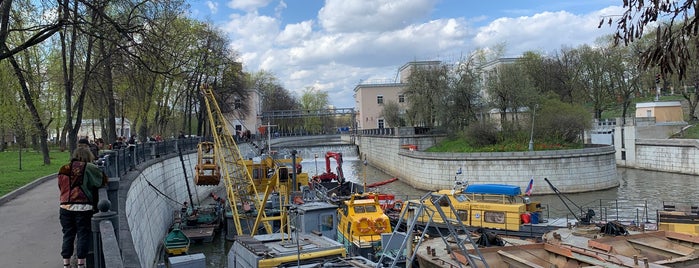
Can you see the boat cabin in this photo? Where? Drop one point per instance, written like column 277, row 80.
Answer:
column 362, row 221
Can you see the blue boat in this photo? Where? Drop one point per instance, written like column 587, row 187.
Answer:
column 499, row 189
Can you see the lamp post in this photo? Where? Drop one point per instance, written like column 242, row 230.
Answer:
column 531, row 136
column 316, row 159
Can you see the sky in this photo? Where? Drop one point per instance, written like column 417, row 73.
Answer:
column 334, row 45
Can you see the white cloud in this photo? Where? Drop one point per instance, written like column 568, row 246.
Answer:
column 374, row 15
column 370, row 40
column 545, row 32
column 294, row 34
column 248, row 5
column 213, row 6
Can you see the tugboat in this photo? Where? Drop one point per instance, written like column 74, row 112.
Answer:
column 499, row 208
column 361, row 223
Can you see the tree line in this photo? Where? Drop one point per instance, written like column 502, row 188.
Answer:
column 63, row 61
column 563, row 89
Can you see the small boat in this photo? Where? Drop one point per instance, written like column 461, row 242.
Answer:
column 176, row 242
column 361, row 223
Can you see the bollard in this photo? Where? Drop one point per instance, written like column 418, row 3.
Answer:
column 635, row 259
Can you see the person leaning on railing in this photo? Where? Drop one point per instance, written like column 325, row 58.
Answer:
column 78, row 182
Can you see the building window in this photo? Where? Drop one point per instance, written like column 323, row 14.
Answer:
column 379, row 99
column 237, row 104
column 401, row 98
column 380, row 123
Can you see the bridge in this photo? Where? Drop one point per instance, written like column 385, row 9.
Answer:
column 285, row 114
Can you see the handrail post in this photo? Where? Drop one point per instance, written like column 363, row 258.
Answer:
column 104, row 214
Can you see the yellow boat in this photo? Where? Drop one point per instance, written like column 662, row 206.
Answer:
column 679, row 217
column 499, row 208
column 361, row 223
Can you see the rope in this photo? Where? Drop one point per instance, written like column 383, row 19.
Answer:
column 161, row 193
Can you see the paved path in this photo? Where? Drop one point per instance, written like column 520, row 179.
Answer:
column 30, row 234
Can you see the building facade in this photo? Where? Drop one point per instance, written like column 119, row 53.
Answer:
column 370, row 96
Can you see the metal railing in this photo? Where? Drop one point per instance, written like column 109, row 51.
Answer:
column 106, row 249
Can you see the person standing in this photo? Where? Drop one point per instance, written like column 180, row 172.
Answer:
column 78, row 182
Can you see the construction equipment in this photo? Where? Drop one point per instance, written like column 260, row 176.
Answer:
column 328, row 175
column 585, row 218
column 457, row 232
column 246, row 205
column 206, row 171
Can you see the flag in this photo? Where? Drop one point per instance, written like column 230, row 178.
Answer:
column 529, row 187
column 458, row 172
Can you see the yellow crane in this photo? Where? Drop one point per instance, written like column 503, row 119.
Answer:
column 225, row 161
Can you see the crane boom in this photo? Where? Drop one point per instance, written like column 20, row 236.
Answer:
column 243, row 198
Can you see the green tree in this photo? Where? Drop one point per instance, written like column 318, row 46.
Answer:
column 426, row 91
column 391, row 114
column 313, row 100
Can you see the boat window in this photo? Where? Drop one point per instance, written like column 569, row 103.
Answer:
column 371, row 208
column 461, row 197
column 326, row 222
column 359, row 209
column 494, row 217
column 462, row 215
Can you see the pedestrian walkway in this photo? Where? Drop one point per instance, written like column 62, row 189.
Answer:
column 30, row 234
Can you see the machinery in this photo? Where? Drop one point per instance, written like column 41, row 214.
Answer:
column 224, row 160
column 328, row 175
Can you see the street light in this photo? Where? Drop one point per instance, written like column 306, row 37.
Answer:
column 531, row 136
column 316, row 159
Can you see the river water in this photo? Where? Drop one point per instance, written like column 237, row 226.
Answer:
column 639, row 195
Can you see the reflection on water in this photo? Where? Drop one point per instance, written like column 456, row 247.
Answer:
column 641, row 191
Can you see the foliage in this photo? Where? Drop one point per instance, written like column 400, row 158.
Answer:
column 559, row 121
column 314, row 100
column 460, row 145
column 391, row 113
column 481, row 134
column 674, row 35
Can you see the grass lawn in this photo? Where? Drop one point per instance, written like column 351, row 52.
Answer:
column 12, row 177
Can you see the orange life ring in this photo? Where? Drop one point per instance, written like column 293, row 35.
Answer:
column 379, row 226
column 363, row 225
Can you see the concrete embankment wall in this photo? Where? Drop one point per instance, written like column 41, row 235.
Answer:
column 150, row 212
column 666, row 155
column 570, row 171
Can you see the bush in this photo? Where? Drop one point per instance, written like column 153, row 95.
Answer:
column 481, row 134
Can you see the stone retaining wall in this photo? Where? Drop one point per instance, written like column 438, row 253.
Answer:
column 150, row 213
column 582, row 170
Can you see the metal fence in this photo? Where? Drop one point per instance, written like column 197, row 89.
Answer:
column 106, row 250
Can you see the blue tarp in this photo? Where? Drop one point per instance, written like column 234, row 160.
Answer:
column 505, row 189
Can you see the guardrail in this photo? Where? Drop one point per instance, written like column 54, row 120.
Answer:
column 106, row 249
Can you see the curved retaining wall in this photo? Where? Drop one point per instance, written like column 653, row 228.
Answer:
column 149, row 213
column 570, row 171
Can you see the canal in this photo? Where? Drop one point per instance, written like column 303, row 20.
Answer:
column 640, row 190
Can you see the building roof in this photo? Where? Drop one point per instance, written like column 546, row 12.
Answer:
column 658, row 104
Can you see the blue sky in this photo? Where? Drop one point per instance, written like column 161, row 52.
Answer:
column 332, row 45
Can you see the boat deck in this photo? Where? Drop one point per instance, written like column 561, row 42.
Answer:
column 583, row 245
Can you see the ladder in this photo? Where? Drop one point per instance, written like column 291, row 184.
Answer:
column 414, row 211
